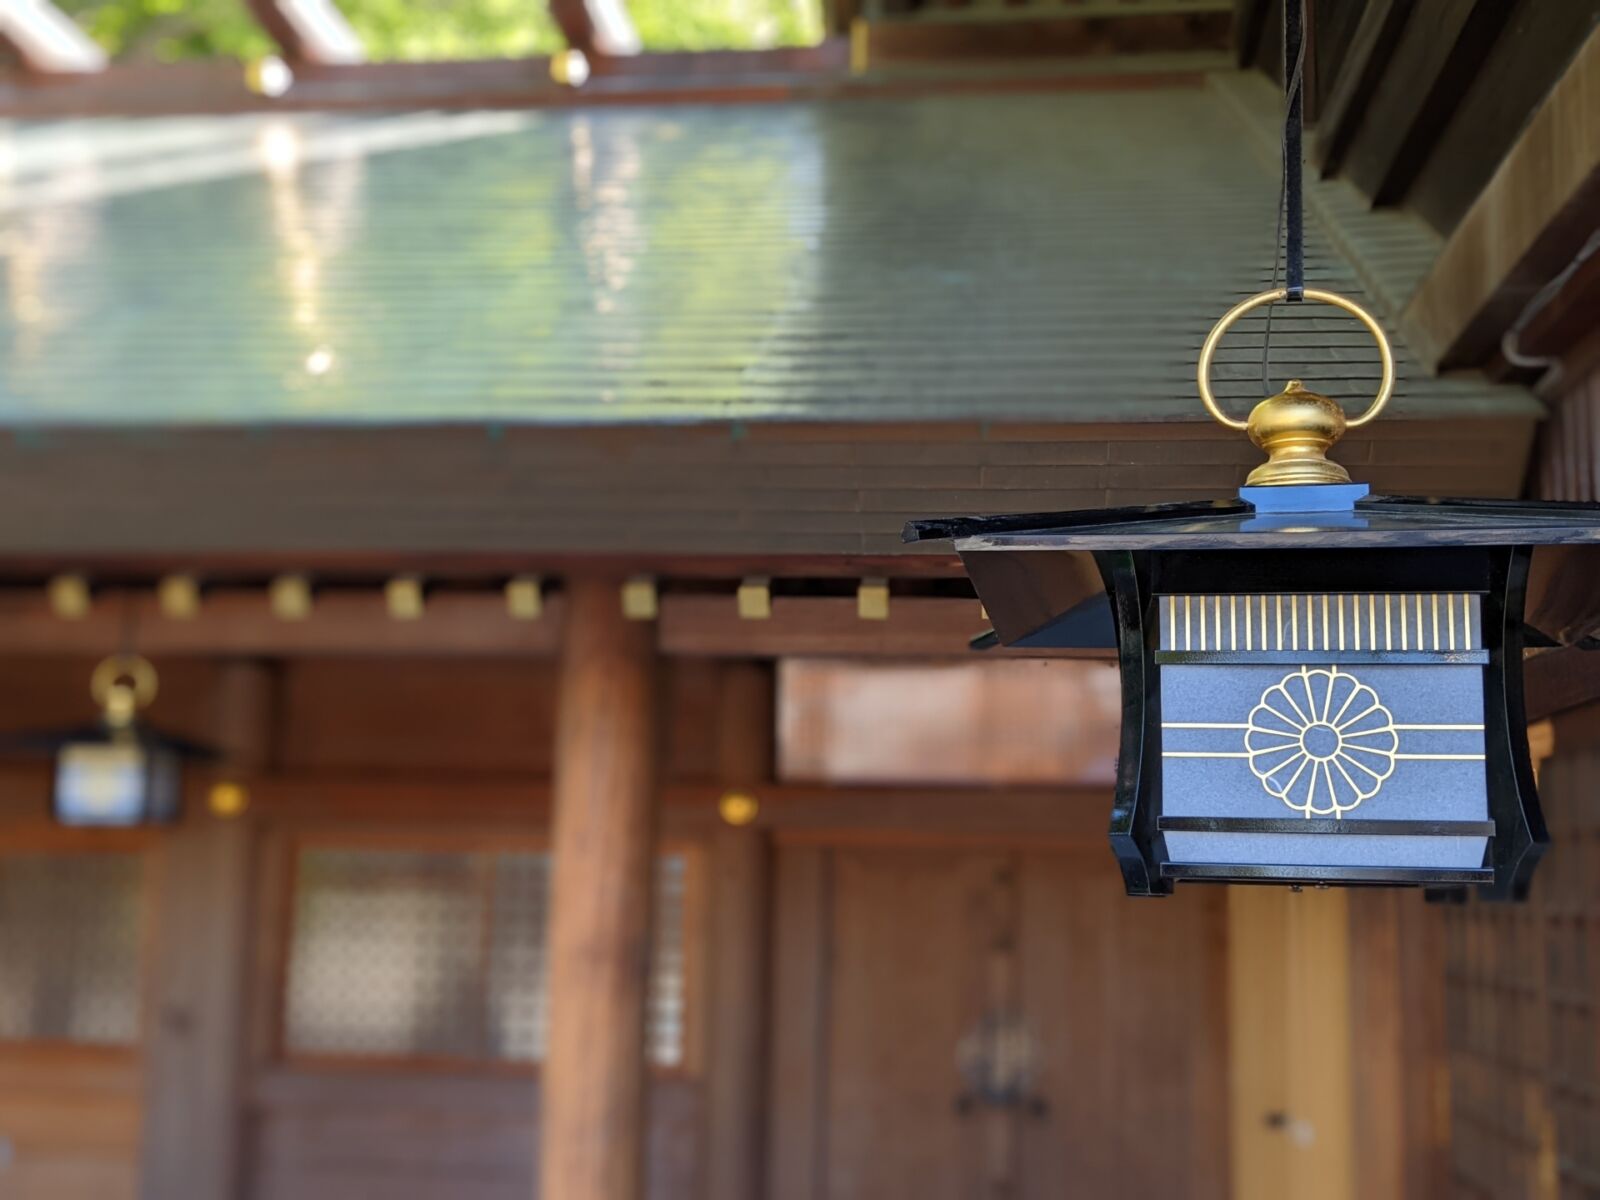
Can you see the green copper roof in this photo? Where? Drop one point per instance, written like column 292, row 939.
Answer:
column 1049, row 257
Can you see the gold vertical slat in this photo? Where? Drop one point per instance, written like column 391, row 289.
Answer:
column 1327, row 639
column 1277, row 619
column 1202, row 622
column 1187, row 604
column 1422, row 641
column 1294, row 622
column 1466, row 603
column 1233, row 621
column 1172, row 621
column 1450, row 616
column 1341, row 620
column 1216, row 610
column 1388, row 622
column 1249, row 639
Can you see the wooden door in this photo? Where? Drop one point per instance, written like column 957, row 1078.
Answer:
column 992, row 1025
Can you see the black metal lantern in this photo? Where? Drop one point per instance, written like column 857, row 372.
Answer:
column 1318, row 687
column 119, row 773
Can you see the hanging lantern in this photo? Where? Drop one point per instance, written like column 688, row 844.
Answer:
column 119, row 773
column 1318, row 686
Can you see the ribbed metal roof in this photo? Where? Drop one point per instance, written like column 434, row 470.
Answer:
column 1049, row 257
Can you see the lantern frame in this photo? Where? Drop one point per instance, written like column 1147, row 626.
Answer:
column 1031, row 573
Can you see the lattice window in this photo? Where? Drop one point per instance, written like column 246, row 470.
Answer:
column 1523, row 993
column 435, row 954
column 69, row 947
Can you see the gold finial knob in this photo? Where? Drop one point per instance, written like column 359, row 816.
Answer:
column 1297, row 427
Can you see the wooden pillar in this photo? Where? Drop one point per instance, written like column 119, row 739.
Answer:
column 1291, row 1045
column 603, row 843
column 736, row 1079
column 194, row 1066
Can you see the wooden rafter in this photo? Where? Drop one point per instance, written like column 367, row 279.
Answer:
column 48, row 41
column 309, row 31
column 599, row 28
column 1530, row 221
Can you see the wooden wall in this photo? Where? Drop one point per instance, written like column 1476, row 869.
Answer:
column 1523, row 982
column 454, row 752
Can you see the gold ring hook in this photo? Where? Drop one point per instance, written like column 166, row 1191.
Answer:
column 124, row 672
column 1214, row 339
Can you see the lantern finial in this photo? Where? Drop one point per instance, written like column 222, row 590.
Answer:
column 1297, row 427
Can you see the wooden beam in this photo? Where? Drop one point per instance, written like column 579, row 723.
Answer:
column 785, row 75
column 1039, row 34
column 917, row 627
column 1436, row 58
column 1364, row 63
column 599, row 28
column 309, row 31
column 354, row 623
column 47, row 40
column 1529, row 222
column 793, row 812
column 193, row 1115
column 1249, row 17
column 741, row 886
column 592, row 1132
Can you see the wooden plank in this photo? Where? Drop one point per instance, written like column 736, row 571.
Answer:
column 797, row 1079
column 1351, row 90
column 741, row 861
column 1531, row 219
column 194, row 1052
column 309, row 31
column 592, row 1131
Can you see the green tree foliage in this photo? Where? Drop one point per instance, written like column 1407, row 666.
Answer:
column 167, row 30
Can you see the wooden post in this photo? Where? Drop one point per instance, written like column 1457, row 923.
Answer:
column 603, row 843
column 736, row 1079
column 195, row 1038
column 1290, row 1040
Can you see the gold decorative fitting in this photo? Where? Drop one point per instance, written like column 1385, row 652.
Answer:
column 178, row 597
column 1297, row 427
column 121, row 685
column 290, row 597
column 402, row 596
column 639, row 599
column 738, row 808
column 755, row 598
column 227, row 799
column 69, row 597
column 525, row 598
column 872, row 600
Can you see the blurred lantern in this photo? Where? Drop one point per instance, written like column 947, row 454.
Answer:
column 118, row 772
column 570, row 68
column 269, row 76
column 1317, row 687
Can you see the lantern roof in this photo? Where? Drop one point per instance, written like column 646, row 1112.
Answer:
column 1377, row 522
